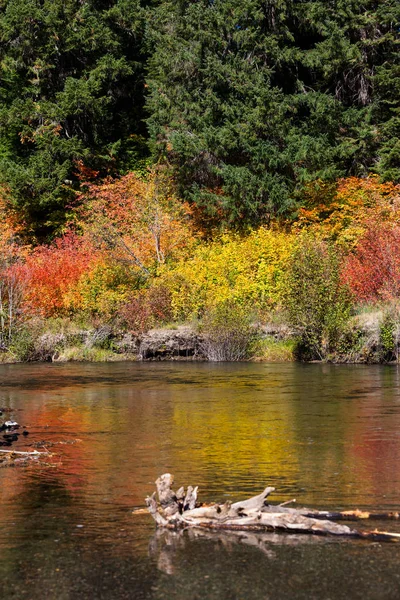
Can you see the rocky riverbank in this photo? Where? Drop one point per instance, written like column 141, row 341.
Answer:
column 367, row 340
column 106, row 344
column 178, row 343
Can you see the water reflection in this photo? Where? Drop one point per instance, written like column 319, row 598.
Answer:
column 326, row 435
column 166, row 547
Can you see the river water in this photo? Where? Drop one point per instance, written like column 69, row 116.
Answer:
column 327, row 435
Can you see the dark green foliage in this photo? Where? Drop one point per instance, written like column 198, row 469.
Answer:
column 250, row 99
column 317, row 303
column 71, row 88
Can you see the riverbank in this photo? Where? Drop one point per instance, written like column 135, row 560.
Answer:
column 368, row 339
column 76, row 300
column 105, row 344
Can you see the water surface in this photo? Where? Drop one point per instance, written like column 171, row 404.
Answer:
column 326, row 435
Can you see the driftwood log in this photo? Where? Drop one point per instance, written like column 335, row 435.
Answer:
column 10, row 458
column 179, row 510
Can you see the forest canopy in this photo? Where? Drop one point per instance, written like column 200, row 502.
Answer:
column 244, row 102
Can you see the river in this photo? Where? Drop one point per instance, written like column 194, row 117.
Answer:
column 327, row 435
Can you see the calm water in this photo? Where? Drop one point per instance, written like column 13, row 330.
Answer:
column 328, row 436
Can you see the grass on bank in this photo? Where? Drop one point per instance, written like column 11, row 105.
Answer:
column 275, row 351
column 84, row 354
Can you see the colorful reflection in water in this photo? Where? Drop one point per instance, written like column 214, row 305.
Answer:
column 326, row 435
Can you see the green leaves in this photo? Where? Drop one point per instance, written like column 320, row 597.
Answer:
column 249, row 99
column 72, row 86
column 246, row 100
column 317, row 302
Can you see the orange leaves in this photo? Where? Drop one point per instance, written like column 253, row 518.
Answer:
column 50, row 272
column 138, row 220
column 84, row 173
column 373, row 271
column 128, row 226
column 364, row 190
column 10, row 221
column 135, row 232
column 341, row 211
column 363, row 216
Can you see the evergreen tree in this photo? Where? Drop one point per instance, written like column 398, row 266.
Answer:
column 71, row 88
column 250, row 99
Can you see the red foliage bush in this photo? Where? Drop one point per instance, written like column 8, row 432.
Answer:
column 149, row 308
column 50, row 272
column 373, row 271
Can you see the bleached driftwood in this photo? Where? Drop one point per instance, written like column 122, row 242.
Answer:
column 10, row 458
column 33, row 453
column 179, row 510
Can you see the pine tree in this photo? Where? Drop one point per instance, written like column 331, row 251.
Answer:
column 71, row 88
column 250, row 99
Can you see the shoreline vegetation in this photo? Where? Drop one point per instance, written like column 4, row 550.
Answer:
column 134, row 268
column 65, row 342
column 135, row 278
column 221, row 169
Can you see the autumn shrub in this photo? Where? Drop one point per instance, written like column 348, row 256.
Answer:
column 227, row 333
column 373, row 270
column 103, row 288
column 341, row 211
column 148, row 308
column 242, row 270
column 51, row 274
column 71, row 276
column 138, row 220
column 316, row 299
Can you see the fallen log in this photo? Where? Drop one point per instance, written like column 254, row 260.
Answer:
column 179, row 510
column 11, row 458
column 353, row 515
column 33, row 453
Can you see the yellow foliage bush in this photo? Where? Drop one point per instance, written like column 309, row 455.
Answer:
column 102, row 289
column 244, row 270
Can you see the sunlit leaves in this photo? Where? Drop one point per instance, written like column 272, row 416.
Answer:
column 341, row 211
column 51, row 272
column 140, row 221
column 245, row 270
column 373, row 271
